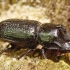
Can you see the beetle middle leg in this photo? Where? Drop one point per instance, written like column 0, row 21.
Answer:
column 43, row 53
column 29, row 50
column 42, row 50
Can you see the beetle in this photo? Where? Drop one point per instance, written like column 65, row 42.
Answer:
column 29, row 33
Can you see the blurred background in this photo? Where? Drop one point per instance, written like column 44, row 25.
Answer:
column 45, row 11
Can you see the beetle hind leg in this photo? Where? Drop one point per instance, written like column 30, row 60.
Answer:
column 8, row 47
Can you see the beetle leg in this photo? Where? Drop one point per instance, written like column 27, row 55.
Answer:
column 4, row 50
column 29, row 50
column 7, row 48
column 43, row 53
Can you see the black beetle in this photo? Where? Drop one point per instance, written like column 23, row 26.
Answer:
column 30, row 33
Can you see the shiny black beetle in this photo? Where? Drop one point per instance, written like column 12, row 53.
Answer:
column 30, row 33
